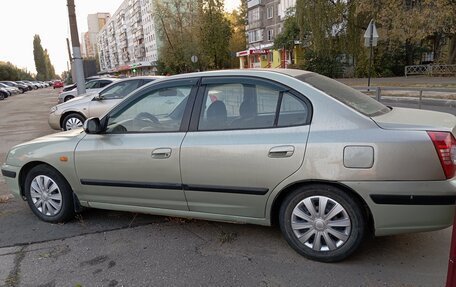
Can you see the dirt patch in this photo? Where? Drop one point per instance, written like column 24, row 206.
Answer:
column 4, row 198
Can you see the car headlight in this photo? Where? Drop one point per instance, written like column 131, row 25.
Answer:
column 53, row 109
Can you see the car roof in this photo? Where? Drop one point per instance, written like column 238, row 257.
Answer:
column 104, row 79
column 245, row 72
column 143, row 78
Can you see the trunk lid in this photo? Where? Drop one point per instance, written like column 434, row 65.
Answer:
column 413, row 119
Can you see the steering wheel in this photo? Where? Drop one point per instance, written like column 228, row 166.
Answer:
column 144, row 116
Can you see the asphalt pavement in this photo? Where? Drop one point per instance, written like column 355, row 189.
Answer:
column 108, row 248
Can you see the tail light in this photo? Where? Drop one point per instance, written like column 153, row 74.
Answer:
column 445, row 145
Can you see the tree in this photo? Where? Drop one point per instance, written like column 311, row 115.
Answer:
column 290, row 32
column 40, row 60
column 238, row 41
column 44, row 68
column 419, row 25
column 9, row 72
column 50, row 71
column 214, row 33
column 177, row 26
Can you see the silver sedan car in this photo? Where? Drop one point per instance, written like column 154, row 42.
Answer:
column 72, row 113
column 327, row 163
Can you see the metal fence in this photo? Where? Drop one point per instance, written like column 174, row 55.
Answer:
column 430, row 70
column 419, row 97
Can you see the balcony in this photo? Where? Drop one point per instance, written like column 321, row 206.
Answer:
column 254, row 25
column 253, row 3
column 140, row 51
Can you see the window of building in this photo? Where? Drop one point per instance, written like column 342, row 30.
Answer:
column 270, row 12
column 254, row 15
column 255, row 36
column 270, row 35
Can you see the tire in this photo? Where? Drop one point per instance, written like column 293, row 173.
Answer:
column 336, row 242
column 2, row 96
column 45, row 184
column 72, row 121
column 68, row 98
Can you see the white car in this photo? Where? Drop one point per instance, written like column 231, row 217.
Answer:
column 92, row 86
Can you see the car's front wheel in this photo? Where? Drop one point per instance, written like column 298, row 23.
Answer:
column 67, row 98
column 322, row 223
column 48, row 194
column 72, row 121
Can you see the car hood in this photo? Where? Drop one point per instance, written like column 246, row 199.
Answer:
column 45, row 148
column 413, row 119
column 87, row 97
column 57, row 137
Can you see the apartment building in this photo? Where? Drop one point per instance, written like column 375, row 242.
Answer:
column 95, row 22
column 265, row 22
column 128, row 43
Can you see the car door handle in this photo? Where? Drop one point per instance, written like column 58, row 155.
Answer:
column 281, row 151
column 161, row 153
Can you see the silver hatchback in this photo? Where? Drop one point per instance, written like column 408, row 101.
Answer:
column 326, row 162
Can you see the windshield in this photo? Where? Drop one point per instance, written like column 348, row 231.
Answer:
column 345, row 94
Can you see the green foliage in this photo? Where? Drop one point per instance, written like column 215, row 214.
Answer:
column 9, row 72
column 190, row 28
column 290, row 32
column 44, row 68
column 327, row 65
column 238, row 41
column 214, row 33
column 415, row 24
column 177, row 26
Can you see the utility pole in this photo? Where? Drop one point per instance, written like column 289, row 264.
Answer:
column 71, row 70
column 77, row 59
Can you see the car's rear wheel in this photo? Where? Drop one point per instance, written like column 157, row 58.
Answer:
column 2, row 96
column 48, row 194
column 67, row 98
column 322, row 222
column 72, row 121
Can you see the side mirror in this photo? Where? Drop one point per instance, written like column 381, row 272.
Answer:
column 98, row 97
column 92, row 126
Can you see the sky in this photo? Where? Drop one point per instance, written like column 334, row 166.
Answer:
column 49, row 19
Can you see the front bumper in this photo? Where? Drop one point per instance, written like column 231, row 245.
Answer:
column 11, row 175
column 54, row 121
column 408, row 206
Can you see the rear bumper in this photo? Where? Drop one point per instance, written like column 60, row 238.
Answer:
column 408, row 206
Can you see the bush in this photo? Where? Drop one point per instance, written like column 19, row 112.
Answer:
column 327, row 65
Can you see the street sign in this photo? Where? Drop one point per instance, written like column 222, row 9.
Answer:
column 194, row 59
column 371, row 35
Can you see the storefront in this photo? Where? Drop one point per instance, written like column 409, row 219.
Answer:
column 268, row 58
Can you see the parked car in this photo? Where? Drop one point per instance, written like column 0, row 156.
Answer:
column 12, row 90
column 33, row 84
column 22, row 88
column 4, row 93
column 28, row 85
column 57, row 84
column 73, row 113
column 91, row 86
column 326, row 162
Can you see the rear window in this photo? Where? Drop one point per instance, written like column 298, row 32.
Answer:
column 345, row 94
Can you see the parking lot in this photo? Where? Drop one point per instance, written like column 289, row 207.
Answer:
column 107, row 248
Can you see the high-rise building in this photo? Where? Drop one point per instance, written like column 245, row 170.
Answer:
column 265, row 22
column 128, row 42
column 95, row 22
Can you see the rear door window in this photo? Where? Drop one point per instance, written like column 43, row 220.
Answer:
column 229, row 106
